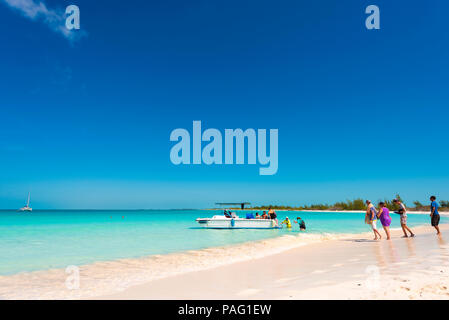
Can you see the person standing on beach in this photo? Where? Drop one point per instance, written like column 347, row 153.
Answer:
column 434, row 214
column 384, row 217
column 403, row 216
column 371, row 218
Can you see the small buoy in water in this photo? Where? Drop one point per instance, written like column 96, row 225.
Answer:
column 123, row 217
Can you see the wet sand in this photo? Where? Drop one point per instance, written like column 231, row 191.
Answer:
column 353, row 268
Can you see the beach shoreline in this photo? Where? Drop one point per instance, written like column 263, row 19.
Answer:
column 347, row 268
column 134, row 278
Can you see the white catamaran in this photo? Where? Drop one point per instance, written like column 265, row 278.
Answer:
column 27, row 207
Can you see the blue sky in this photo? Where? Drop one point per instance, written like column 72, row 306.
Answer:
column 85, row 119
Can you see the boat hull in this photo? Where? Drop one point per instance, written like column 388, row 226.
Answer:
column 237, row 223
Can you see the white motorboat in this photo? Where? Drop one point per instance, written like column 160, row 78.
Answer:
column 232, row 221
column 27, row 207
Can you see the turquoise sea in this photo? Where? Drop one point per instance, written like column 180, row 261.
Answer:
column 43, row 239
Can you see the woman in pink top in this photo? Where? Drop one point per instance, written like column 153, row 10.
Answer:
column 384, row 216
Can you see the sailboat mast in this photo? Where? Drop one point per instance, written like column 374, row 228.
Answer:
column 28, row 202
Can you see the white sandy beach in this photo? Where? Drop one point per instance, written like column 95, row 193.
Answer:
column 351, row 268
column 288, row 267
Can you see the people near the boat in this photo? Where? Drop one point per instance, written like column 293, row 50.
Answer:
column 434, row 214
column 301, row 223
column 273, row 216
column 287, row 223
column 384, row 216
column 402, row 211
column 371, row 219
column 229, row 214
column 272, row 213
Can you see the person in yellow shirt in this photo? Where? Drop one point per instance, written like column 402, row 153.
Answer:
column 287, row 222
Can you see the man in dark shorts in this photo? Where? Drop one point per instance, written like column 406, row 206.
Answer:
column 302, row 224
column 434, row 214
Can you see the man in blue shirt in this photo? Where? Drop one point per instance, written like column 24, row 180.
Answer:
column 302, row 224
column 434, row 214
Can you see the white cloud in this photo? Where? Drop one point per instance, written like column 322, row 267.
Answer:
column 38, row 11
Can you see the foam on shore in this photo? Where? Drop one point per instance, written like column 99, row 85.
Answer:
column 107, row 277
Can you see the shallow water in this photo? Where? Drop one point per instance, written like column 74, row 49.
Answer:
column 54, row 239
